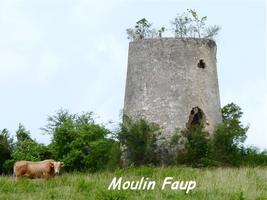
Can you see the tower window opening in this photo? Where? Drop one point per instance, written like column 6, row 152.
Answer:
column 201, row 64
column 196, row 118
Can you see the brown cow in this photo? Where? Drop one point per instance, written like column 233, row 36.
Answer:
column 41, row 169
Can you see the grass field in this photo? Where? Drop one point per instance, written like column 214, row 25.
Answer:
column 217, row 183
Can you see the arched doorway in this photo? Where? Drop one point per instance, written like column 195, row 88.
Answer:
column 196, row 118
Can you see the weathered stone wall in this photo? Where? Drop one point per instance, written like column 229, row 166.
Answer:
column 164, row 82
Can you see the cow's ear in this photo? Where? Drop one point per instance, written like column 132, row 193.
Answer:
column 52, row 164
column 61, row 164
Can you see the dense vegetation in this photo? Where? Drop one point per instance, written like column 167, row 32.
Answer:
column 225, row 148
column 212, row 184
column 84, row 145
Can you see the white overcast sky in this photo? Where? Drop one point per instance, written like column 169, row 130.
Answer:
column 72, row 54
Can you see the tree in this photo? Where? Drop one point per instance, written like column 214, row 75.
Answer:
column 212, row 32
column 198, row 23
column 143, row 30
column 140, row 31
column 181, row 25
column 196, row 147
column 6, row 146
column 229, row 135
column 27, row 148
column 231, row 111
column 78, row 141
column 190, row 24
column 22, row 134
column 186, row 25
column 161, row 31
column 138, row 139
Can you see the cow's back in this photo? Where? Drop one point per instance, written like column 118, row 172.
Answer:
column 40, row 169
column 34, row 169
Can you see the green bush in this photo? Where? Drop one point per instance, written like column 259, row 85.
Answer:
column 141, row 144
column 114, row 159
column 197, row 147
column 229, row 136
column 6, row 146
column 30, row 150
column 143, row 30
column 83, row 144
column 138, row 140
column 78, row 141
column 8, row 166
column 25, row 148
column 251, row 156
column 186, row 25
column 225, row 147
column 191, row 25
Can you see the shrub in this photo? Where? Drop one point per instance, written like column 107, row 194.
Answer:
column 252, row 156
column 25, row 148
column 138, row 139
column 30, row 150
column 225, row 147
column 6, row 146
column 186, row 25
column 192, row 25
column 8, row 166
column 114, row 156
column 140, row 31
column 229, row 136
column 85, row 145
column 197, row 146
column 78, row 141
column 143, row 30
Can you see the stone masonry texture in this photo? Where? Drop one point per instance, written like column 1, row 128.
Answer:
column 164, row 82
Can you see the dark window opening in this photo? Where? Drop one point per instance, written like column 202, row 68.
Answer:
column 195, row 118
column 201, row 64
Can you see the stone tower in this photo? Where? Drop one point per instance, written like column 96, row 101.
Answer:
column 173, row 82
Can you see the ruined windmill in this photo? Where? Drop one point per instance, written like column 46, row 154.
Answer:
column 173, row 82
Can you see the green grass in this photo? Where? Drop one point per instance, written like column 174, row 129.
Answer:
column 218, row 183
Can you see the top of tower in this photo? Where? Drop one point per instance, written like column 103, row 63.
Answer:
column 188, row 26
column 192, row 41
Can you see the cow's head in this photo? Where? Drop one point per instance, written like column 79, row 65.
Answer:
column 56, row 166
